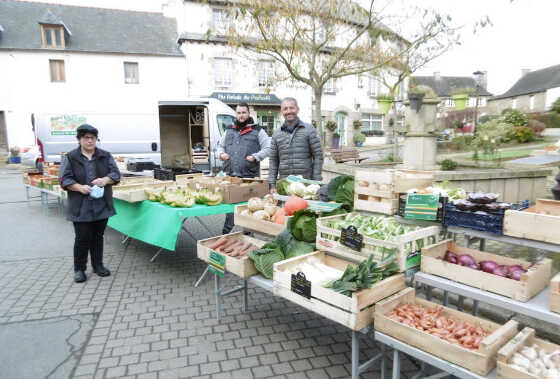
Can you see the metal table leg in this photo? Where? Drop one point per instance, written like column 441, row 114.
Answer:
column 245, row 296
column 475, row 308
column 445, row 298
column 383, row 363
column 428, row 293
column 355, row 355
column 156, row 255
column 218, row 297
column 201, row 277
column 396, row 365
column 461, row 302
column 482, row 244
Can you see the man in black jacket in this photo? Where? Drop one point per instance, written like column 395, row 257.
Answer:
column 87, row 174
column 241, row 148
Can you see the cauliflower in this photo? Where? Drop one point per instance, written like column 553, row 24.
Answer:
column 297, row 188
column 255, row 204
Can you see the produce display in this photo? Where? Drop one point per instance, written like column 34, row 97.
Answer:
column 265, row 209
column 537, row 361
column 288, row 187
column 453, row 194
column 233, row 247
column 431, row 321
column 507, row 271
column 316, row 271
column 363, row 276
column 480, row 201
column 184, row 197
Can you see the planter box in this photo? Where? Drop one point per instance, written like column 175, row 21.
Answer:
column 480, row 361
column 378, row 191
column 354, row 312
column 326, row 241
column 531, row 283
column 555, row 294
column 265, row 227
column 242, row 267
column 540, row 223
column 526, row 337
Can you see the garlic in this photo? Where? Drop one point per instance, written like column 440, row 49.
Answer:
column 520, row 360
column 529, row 352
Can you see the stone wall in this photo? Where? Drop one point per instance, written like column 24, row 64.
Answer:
column 523, row 103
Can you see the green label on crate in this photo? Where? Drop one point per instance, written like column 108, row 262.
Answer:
column 217, row 263
column 421, row 206
column 413, row 259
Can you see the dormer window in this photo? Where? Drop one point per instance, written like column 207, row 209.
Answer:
column 53, row 36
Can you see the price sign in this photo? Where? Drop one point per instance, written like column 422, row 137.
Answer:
column 217, row 263
column 350, row 237
column 421, row 206
column 301, row 285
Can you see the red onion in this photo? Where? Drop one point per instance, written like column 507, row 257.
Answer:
column 500, row 272
column 516, row 274
column 466, row 260
column 513, row 268
column 488, row 266
column 451, row 257
column 474, row 266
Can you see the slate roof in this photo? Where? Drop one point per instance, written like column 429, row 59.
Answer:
column 95, row 30
column 535, row 81
column 446, row 84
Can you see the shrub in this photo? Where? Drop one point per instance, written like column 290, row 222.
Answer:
column 357, row 124
column 331, row 125
column 448, row 165
column 515, row 117
column 486, row 118
column 460, row 142
column 359, row 137
column 522, row 134
column 556, row 106
column 537, row 126
column 549, row 119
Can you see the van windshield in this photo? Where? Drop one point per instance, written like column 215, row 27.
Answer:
column 224, row 121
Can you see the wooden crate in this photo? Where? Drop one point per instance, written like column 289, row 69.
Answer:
column 187, row 178
column 354, row 312
column 325, row 242
column 242, row 267
column 480, row 361
column 378, row 191
column 540, row 223
column 265, row 227
column 134, row 193
column 555, row 294
column 526, row 337
column 531, row 283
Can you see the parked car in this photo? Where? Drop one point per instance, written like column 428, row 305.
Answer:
column 31, row 156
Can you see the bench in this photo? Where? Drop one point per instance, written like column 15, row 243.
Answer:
column 346, row 155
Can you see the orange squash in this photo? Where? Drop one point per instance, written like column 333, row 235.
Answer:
column 280, row 216
column 294, row 204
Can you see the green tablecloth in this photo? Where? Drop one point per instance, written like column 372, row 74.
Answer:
column 158, row 224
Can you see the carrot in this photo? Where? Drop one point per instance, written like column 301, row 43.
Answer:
column 250, row 248
column 229, row 244
column 231, row 247
column 241, row 247
column 221, row 241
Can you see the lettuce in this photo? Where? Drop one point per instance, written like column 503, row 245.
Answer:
column 303, row 225
column 265, row 258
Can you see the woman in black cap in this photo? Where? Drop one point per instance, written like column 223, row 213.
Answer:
column 87, row 174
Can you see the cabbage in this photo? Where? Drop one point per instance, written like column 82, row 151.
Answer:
column 297, row 188
column 312, row 189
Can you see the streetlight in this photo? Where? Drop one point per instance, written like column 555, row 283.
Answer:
column 477, row 75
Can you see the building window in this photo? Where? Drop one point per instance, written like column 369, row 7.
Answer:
column 330, row 86
column 131, row 73
column 449, row 103
column 514, row 104
column 265, row 73
column 371, row 122
column 268, row 121
column 222, row 72
column 58, row 74
column 531, row 102
column 52, row 36
column 372, row 86
column 360, row 81
column 220, row 21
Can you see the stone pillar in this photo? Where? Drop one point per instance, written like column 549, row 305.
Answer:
column 420, row 145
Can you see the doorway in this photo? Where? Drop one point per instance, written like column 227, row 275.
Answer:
column 341, row 118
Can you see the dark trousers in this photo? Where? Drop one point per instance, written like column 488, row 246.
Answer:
column 228, row 224
column 89, row 237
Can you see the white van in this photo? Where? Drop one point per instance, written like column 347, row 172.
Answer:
column 190, row 128
column 190, row 131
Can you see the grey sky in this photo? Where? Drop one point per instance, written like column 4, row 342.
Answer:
column 522, row 35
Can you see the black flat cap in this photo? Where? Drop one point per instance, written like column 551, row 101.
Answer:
column 86, row 128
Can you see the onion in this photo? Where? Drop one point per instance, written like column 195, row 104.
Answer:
column 500, row 272
column 513, row 268
column 451, row 257
column 474, row 266
column 466, row 260
column 516, row 274
column 488, row 266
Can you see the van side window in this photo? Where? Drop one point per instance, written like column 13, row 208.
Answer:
column 224, row 121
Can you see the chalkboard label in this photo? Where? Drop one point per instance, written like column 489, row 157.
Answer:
column 350, row 237
column 301, row 285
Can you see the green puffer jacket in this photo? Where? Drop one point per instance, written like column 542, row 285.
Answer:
column 296, row 153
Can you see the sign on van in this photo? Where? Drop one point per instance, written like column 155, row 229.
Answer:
column 66, row 124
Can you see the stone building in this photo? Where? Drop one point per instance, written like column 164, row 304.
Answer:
column 535, row 91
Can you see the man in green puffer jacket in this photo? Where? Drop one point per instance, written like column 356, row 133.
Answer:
column 295, row 148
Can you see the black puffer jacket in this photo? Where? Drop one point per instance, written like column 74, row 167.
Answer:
column 295, row 153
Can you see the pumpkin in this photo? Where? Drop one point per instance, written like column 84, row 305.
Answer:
column 295, row 204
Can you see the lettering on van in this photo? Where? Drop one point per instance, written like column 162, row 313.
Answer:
column 66, row 124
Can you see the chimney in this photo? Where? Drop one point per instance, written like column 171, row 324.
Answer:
column 525, row 71
column 484, row 81
column 437, row 75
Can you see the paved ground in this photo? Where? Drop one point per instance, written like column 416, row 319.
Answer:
column 146, row 320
